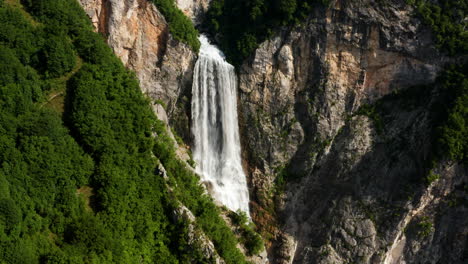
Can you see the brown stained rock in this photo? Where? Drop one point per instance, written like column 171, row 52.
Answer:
column 298, row 94
column 139, row 36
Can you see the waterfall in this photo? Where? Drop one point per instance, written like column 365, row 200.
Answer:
column 216, row 130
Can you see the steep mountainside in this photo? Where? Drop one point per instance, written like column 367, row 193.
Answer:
column 88, row 174
column 354, row 172
column 339, row 119
column 139, row 36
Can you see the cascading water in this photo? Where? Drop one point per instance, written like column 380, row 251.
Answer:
column 216, row 130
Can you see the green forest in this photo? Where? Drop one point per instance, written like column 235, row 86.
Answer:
column 448, row 23
column 80, row 147
column 451, row 135
column 79, row 177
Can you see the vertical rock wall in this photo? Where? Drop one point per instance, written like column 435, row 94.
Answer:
column 299, row 86
column 139, row 36
column 354, row 191
column 351, row 191
column 194, row 9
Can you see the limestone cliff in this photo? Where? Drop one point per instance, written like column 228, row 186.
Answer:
column 353, row 193
column 139, row 36
column 194, row 9
column 356, row 189
column 299, row 86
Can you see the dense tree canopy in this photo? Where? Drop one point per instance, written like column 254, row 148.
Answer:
column 452, row 131
column 81, row 184
column 447, row 19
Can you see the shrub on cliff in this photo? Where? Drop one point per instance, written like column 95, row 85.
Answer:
column 242, row 25
column 252, row 241
column 447, row 19
column 180, row 25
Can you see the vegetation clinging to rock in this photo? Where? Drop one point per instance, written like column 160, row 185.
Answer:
column 251, row 240
column 242, row 25
column 447, row 19
column 179, row 24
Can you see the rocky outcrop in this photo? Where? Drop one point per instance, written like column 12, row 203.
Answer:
column 139, row 36
column 194, row 9
column 355, row 185
column 305, row 81
column 195, row 236
column 370, row 193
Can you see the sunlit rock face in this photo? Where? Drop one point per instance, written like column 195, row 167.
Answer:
column 139, row 36
column 300, row 93
column 194, row 9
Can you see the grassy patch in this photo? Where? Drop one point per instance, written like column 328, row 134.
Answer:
column 58, row 89
column 86, row 192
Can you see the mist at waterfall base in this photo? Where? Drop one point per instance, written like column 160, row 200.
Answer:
column 216, row 130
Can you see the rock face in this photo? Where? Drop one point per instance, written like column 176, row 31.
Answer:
column 300, row 85
column 355, row 185
column 357, row 188
column 194, row 9
column 139, row 36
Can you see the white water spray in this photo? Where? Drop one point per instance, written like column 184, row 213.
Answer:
column 216, row 130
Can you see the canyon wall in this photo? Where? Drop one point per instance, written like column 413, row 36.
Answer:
column 330, row 182
column 354, row 191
